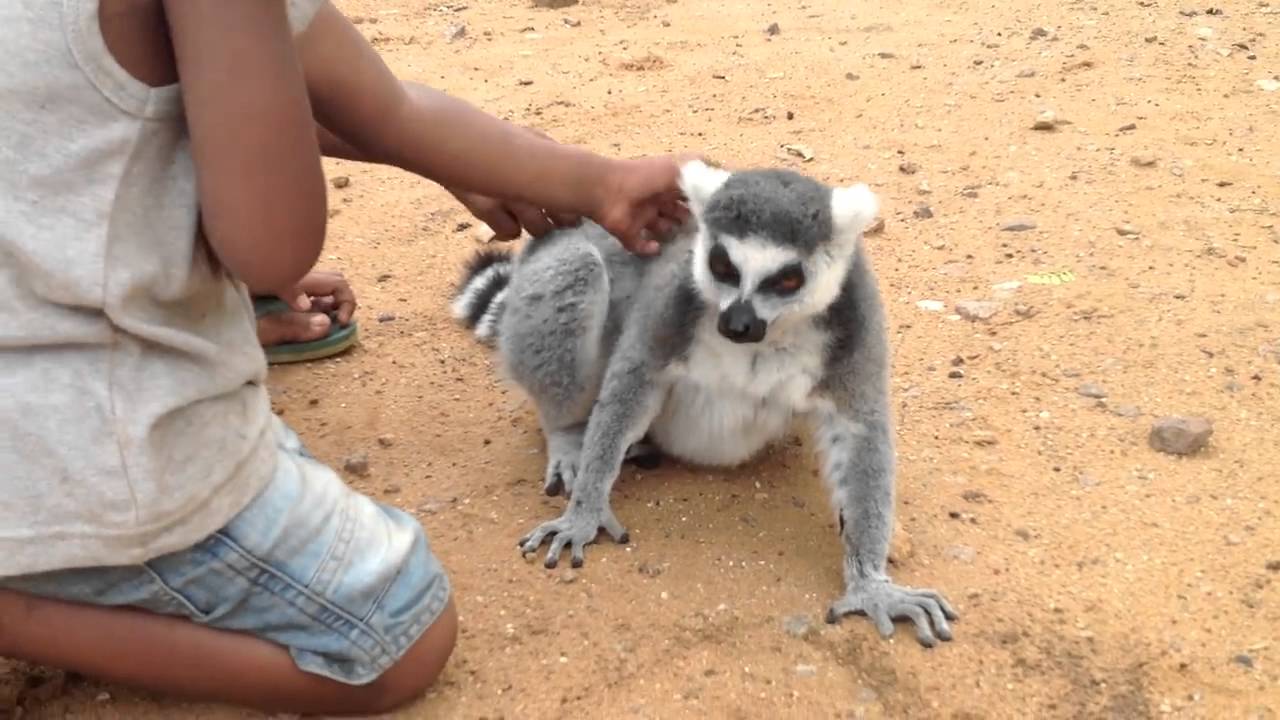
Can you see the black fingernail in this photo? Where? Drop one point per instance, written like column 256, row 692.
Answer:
column 624, row 539
column 833, row 617
column 576, row 562
column 550, row 563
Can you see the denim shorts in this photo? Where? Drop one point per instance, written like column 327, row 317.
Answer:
column 346, row 584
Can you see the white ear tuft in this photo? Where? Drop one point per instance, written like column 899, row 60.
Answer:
column 853, row 208
column 699, row 181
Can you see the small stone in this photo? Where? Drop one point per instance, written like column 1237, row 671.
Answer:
column 1018, row 225
column 572, row 22
column 922, row 212
column 772, row 30
column 383, row 277
column 649, row 570
column 886, row 55
column 806, row 671
column 1143, row 159
column 1180, row 435
column 357, row 464
column 1027, row 73
column 1087, row 481
column 569, row 576
column 340, row 182
column 1046, row 120
column 1273, row 566
column 931, row 305
column 386, row 441
column 1125, row 411
column 455, row 32
column 1151, row 38
column 386, row 317
column 1268, row 84
column 801, row 151
column 798, row 626
column 391, row 490
column 1127, row 230
column 1023, row 534
column 852, row 76
column 960, row 553
column 956, row 374
column 982, row 438
column 1038, row 33
column 976, row 310
column 1233, row 539
column 1243, row 660
column 907, row 167
column 1204, row 33
column 1091, row 390
column 1130, row 127
column 554, row 4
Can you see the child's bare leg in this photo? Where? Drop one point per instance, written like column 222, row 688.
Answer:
column 177, row 657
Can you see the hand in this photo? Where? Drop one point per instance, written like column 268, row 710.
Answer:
column 575, row 529
column 883, row 602
column 323, row 291
column 509, row 219
column 641, row 201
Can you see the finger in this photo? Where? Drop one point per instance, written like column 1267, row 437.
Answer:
column 532, row 218
column 883, row 623
column 557, row 546
column 533, row 540
column 345, row 300
column 297, row 300
column 504, row 225
column 615, row 529
column 921, row 621
column 936, row 597
column 577, row 554
column 939, row 621
column 323, row 304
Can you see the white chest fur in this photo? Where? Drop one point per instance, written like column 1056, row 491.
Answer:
column 728, row 401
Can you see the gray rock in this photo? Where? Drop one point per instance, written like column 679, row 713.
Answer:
column 1143, row 160
column 1124, row 410
column 455, row 32
column 977, row 309
column 1180, row 435
column 1018, row 225
column 1127, row 230
column 923, row 212
column 961, row 553
column 806, row 671
column 1243, row 660
column 772, row 30
column 907, row 167
column 554, row 4
column 1091, row 390
column 386, row 317
column 798, row 626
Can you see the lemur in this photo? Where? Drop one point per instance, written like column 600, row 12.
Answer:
column 764, row 308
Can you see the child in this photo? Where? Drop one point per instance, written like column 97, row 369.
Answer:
column 158, row 525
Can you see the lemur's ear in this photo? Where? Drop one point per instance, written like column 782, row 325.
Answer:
column 853, row 208
column 699, row 181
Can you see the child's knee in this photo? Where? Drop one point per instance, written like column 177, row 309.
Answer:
column 419, row 668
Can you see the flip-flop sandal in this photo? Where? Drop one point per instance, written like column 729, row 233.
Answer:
column 337, row 341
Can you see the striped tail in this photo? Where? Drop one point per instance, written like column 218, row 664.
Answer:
column 481, row 296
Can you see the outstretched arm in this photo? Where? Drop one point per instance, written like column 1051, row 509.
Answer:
column 855, row 434
column 357, row 99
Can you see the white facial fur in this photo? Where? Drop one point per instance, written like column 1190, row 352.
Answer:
column 853, row 208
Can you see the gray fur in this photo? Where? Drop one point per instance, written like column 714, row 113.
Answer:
column 612, row 347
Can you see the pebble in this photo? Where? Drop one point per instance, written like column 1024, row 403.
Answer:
column 1091, row 390
column 340, row 182
column 1233, row 539
column 1180, row 435
column 1204, row 33
column 572, row 22
column 956, row 374
column 806, row 671
column 386, row 317
column 983, row 438
column 851, row 76
column 923, row 212
column 961, row 553
column 1125, row 411
column 798, row 626
column 1127, row 230
column 1130, row 127
column 1018, row 225
column 1086, row 480
column 772, row 30
column 555, row 4
column 1046, row 120
column 1273, row 566
column 1038, row 33
column 455, row 32
column 386, row 441
column 1268, row 84
column 931, row 305
column 569, row 576
column 1143, row 159
column 1027, row 73
column 357, row 464
column 907, row 167
column 1243, row 660
column 977, row 309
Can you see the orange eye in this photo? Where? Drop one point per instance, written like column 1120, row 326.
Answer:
column 788, row 283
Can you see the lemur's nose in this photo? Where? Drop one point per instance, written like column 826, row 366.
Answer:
column 740, row 323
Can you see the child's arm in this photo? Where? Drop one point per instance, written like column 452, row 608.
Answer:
column 261, row 184
column 424, row 131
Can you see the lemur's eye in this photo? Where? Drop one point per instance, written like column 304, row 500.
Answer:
column 721, row 266
column 786, row 281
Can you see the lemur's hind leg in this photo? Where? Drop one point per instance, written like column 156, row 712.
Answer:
column 550, row 343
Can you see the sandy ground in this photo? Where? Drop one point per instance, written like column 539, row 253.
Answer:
column 1095, row 576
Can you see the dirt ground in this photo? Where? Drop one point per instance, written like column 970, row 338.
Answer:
column 1095, row 577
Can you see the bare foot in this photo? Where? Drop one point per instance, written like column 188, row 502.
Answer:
column 292, row 327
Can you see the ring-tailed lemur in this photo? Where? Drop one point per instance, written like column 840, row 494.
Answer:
column 764, row 308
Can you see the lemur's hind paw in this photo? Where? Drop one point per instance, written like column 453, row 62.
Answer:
column 883, row 602
column 575, row 529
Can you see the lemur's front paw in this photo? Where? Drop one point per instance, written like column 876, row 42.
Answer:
column 577, row 528
column 884, row 602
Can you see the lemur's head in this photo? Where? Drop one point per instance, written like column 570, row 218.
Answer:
column 772, row 245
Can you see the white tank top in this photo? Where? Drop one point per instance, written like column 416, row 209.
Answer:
column 134, row 420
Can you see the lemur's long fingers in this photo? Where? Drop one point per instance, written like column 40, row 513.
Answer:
column 936, row 597
column 557, row 546
column 920, row 619
column 938, row 617
column 577, row 554
column 533, row 540
column 615, row 529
